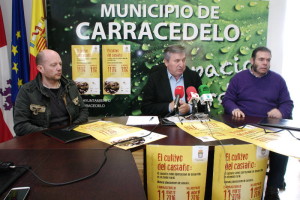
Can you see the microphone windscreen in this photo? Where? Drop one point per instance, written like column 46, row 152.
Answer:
column 189, row 91
column 203, row 89
column 179, row 90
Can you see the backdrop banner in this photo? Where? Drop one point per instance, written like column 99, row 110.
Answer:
column 219, row 37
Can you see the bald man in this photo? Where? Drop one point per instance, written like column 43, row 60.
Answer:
column 50, row 100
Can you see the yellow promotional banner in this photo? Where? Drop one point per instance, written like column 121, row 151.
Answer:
column 111, row 133
column 280, row 142
column 206, row 130
column 239, row 172
column 116, row 69
column 86, row 68
column 176, row 172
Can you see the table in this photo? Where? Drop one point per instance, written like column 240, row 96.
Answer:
column 176, row 136
column 118, row 179
column 38, row 142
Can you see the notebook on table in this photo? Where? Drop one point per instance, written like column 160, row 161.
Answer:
column 281, row 123
column 66, row 136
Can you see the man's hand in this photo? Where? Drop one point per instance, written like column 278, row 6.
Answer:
column 237, row 113
column 171, row 106
column 184, row 108
column 274, row 113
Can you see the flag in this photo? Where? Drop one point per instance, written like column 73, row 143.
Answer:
column 38, row 40
column 6, row 116
column 19, row 49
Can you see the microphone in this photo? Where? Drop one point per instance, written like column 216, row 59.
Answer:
column 205, row 96
column 179, row 92
column 193, row 98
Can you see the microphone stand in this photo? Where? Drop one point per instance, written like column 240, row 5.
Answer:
column 194, row 107
column 175, row 111
column 208, row 107
column 202, row 116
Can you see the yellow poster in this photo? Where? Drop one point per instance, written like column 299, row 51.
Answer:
column 239, row 172
column 176, row 172
column 116, row 69
column 86, row 69
column 125, row 137
column 206, row 130
column 280, row 142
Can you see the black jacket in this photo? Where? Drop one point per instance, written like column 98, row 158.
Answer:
column 32, row 107
column 157, row 92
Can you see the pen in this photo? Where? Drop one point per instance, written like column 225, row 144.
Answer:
column 151, row 118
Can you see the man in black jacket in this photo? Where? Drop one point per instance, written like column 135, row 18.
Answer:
column 49, row 100
column 158, row 97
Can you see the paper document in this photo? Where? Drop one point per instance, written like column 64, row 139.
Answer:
column 124, row 137
column 142, row 120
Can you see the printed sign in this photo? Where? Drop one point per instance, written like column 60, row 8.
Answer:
column 239, row 172
column 176, row 172
column 86, row 68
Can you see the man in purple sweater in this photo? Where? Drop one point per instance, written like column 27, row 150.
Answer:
column 263, row 93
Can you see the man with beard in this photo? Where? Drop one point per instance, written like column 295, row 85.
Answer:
column 263, row 93
column 48, row 101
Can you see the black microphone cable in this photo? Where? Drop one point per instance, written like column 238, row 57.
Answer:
column 293, row 135
column 224, row 151
column 85, row 177
column 68, row 182
column 242, row 127
column 168, row 122
column 265, row 130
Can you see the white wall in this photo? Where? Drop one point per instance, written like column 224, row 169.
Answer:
column 275, row 33
column 291, row 45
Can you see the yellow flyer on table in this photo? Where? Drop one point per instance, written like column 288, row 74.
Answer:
column 206, row 130
column 239, row 172
column 112, row 133
column 176, row 172
column 280, row 142
column 86, row 68
column 116, row 69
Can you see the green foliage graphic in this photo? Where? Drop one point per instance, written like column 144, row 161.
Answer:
column 210, row 52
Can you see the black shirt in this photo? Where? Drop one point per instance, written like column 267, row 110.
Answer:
column 59, row 114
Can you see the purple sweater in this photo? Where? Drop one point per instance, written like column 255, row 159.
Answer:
column 257, row 96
